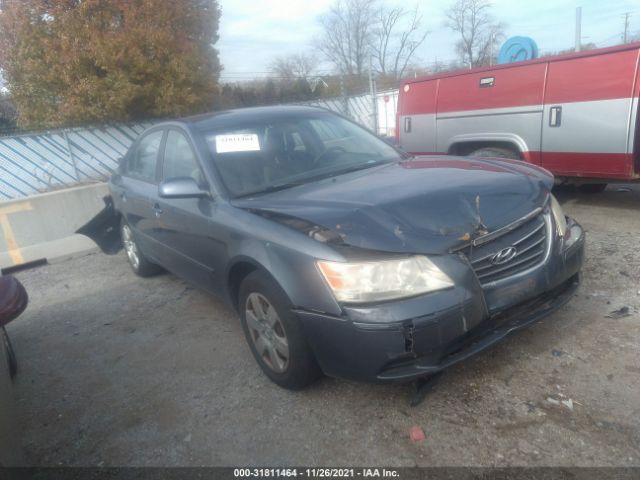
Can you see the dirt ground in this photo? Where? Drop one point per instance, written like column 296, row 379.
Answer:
column 117, row 370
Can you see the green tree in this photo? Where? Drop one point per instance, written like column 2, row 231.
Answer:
column 7, row 114
column 77, row 61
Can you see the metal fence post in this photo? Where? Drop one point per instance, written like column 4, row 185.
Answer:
column 71, row 156
column 345, row 98
column 374, row 97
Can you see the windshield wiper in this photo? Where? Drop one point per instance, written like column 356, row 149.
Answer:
column 355, row 168
column 271, row 188
column 335, row 173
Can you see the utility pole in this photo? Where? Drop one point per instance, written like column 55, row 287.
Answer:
column 626, row 27
column 374, row 99
column 578, row 28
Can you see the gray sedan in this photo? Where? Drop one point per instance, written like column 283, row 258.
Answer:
column 342, row 254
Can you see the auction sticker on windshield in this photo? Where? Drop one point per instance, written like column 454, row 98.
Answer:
column 242, row 142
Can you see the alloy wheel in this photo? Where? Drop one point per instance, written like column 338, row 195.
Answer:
column 130, row 247
column 267, row 332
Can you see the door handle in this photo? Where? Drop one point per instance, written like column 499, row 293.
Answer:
column 157, row 209
column 555, row 116
column 407, row 124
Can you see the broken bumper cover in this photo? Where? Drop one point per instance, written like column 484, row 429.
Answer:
column 403, row 340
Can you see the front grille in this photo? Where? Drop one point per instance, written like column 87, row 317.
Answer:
column 529, row 241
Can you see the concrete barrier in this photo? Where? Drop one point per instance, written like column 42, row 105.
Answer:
column 41, row 227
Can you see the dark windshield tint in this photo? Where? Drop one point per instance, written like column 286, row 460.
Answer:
column 283, row 153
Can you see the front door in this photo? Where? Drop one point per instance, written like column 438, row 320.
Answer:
column 184, row 223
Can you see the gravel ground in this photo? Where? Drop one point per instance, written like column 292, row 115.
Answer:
column 117, row 370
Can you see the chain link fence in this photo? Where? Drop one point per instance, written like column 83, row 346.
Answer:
column 36, row 162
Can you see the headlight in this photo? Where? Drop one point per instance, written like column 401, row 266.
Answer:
column 558, row 215
column 383, row 280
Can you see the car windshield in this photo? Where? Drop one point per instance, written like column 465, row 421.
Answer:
column 278, row 154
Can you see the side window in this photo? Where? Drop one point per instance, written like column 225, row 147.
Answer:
column 329, row 132
column 144, row 160
column 179, row 159
column 295, row 143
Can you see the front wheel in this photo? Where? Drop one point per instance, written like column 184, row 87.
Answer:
column 274, row 334
column 138, row 262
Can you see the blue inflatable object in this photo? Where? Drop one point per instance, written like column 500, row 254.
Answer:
column 517, row 49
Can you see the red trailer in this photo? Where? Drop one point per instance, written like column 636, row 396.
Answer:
column 575, row 115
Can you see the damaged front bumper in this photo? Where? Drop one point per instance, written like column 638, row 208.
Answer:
column 404, row 340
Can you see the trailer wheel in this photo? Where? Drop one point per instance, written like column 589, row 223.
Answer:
column 495, row 152
column 592, row 187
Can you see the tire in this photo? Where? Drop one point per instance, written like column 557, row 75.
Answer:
column 592, row 188
column 140, row 265
column 276, row 341
column 495, row 152
column 11, row 355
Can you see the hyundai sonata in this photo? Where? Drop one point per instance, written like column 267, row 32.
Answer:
column 342, row 254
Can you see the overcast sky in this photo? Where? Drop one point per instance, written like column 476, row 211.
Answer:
column 253, row 32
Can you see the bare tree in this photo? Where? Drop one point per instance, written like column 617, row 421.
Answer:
column 396, row 37
column 347, row 34
column 294, row 66
column 355, row 30
column 479, row 33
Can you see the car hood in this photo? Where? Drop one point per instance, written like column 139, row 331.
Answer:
column 427, row 204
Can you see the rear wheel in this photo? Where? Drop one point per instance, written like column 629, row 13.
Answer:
column 495, row 152
column 274, row 334
column 592, row 187
column 138, row 262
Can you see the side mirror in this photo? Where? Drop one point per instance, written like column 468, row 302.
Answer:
column 181, row 187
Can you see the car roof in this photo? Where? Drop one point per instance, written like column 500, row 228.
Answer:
column 243, row 116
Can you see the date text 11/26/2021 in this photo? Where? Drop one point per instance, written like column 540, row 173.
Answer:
column 315, row 472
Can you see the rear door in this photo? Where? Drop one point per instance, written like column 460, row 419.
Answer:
column 137, row 189
column 500, row 105
column 587, row 115
column 417, row 117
